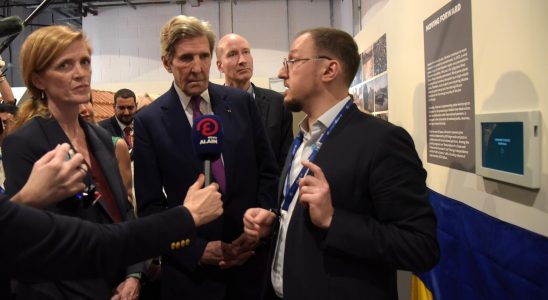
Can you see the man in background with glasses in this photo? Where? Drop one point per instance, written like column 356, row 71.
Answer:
column 353, row 204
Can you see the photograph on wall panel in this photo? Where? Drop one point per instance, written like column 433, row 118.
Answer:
column 367, row 64
column 370, row 86
column 379, row 55
column 358, row 78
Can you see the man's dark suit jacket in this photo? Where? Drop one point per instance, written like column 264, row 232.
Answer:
column 21, row 149
column 165, row 162
column 382, row 221
column 277, row 120
column 112, row 126
column 42, row 245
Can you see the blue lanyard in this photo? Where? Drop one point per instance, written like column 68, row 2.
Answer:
column 291, row 190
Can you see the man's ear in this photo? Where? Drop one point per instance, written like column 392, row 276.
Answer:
column 220, row 66
column 37, row 81
column 167, row 63
column 331, row 70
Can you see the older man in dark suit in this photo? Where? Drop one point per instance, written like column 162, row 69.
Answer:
column 220, row 263
column 362, row 212
column 234, row 59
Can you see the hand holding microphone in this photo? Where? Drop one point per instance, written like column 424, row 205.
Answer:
column 204, row 204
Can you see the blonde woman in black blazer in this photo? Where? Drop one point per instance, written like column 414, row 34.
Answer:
column 56, row 68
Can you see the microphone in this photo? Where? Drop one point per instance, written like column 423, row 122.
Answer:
column 207, row 140
column 10, row 26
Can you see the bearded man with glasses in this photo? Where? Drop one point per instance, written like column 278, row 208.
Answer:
column 353, row 202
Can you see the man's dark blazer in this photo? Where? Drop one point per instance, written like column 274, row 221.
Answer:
column 382, row 221
column 77, row 248
column 165, row 162
column 112, row 126
column 25, row 146
column 277, row 120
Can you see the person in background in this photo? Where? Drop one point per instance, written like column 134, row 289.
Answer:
column 354, row 202
column 121, row 124
column 120, row 150
column 5, row 88
column 7, row 113
column 7, row 104
column 7, row 116
column 220, row 263
column 86, row 111
column 55, row 64
column 234, row 59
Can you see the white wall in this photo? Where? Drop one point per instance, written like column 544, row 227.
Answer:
column 126, row 40
column 510, row 47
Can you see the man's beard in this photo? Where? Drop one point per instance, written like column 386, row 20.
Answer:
column 293, row 105
column 126, row 120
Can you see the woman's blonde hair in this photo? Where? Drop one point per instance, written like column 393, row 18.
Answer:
column 38, row 52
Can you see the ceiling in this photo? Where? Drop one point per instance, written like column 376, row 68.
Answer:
column 72, row 11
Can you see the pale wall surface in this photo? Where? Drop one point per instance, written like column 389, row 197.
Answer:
column 510, row 47
column 126, row 40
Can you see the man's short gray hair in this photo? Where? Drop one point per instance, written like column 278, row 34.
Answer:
column 182, row 27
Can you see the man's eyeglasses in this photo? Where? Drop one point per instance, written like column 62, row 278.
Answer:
column 288, row 62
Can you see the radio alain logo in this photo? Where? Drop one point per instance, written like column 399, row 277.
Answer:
column 208, row 127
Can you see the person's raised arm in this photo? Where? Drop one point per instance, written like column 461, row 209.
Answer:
column 64, row 239
column 5, row 88
column 204, row 204
column 55, row 176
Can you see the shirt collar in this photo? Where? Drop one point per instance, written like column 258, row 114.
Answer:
column 185, row 100
column 324, row 120
column 250, row 90
column 122, row 125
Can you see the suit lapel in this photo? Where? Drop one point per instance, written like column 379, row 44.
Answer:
column 178, row 128
column 116, row 127
column 53, row 132
column 281, row 183
column 262, row 103
column 332, row 138
column 220, row 105
column 107, row 162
